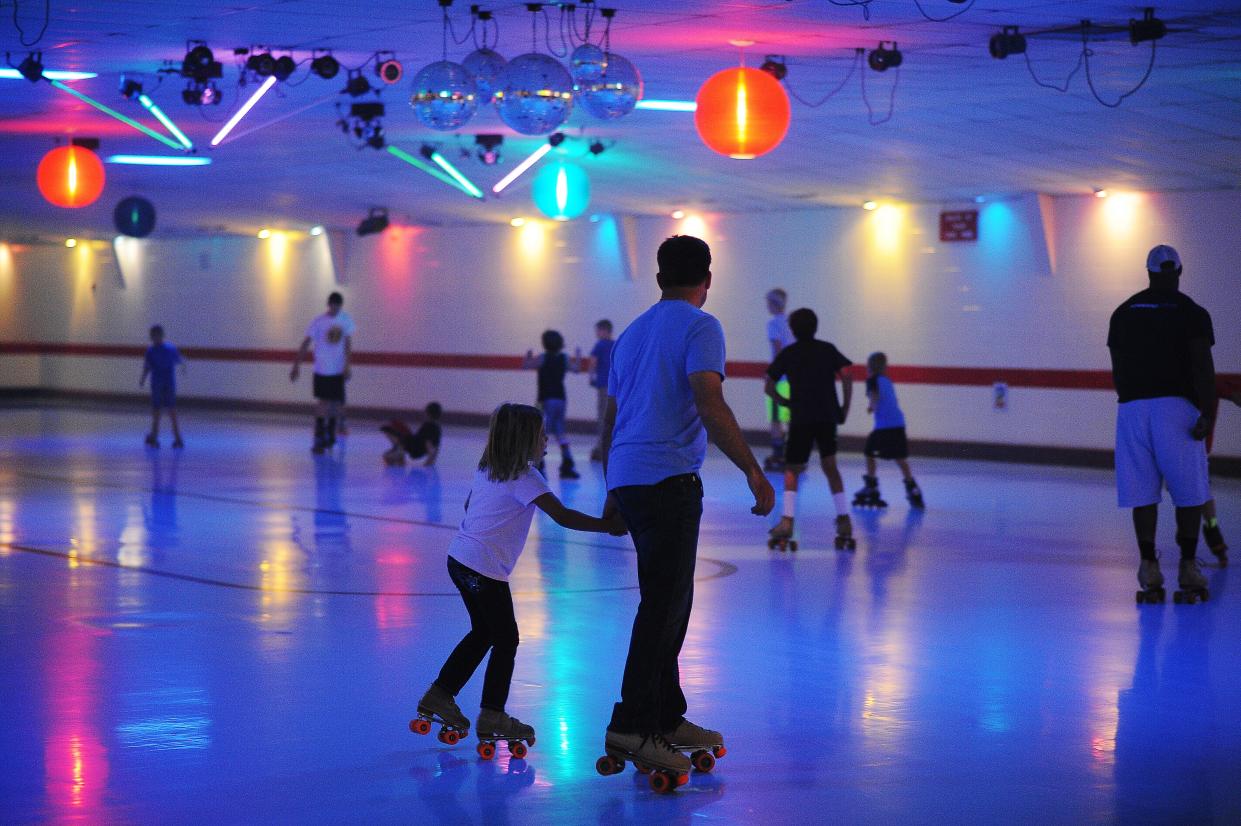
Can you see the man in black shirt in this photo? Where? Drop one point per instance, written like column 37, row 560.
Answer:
column 1160, row 342
column 812, row 367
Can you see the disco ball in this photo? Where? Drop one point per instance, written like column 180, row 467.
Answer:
column 616, row 91
column 586, row 63
column 534, row 94
column 445, row 95
column 486, row 66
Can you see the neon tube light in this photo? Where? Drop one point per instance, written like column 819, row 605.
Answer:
column 668, row 105
column 157, row 160
column 50, row 74
column 241, row 113
column 520, row 169
column 109, row 111
column 151, row 107
column 418, row 163
column 462, row 181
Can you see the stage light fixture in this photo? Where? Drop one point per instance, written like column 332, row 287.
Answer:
column 71, row 242
column 201, row 94
column 262, row 64
column 553, row 140
column 1149, row 27
column 375, row 222
column 463, row 183
column 130, row 88
column 31, row 67
column 883, row 58
column 200, row 63
column 325, row 66
column 774, row 65
column 357, row 84
column 488, row 148
column 241, row 113
column 388, row 68
column 1009, row 41
column 597, row 148
column 284, row 67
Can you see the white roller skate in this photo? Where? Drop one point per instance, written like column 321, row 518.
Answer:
column 1150, row 578
column 781, row 536
column 1193, row 585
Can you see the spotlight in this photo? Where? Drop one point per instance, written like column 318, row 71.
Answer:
column 555, row 139
column 200, row 63
column 869, row 206
column 774, row 65
column 488, row 148
column 388, row 68
column 284, row 68
column 201, row 94
column 264, row 234
column 1009, row 41
column 1149, row 27
column 517, row 222
column 130, row 88
column 1100, row 193
column 325, row 66
column 597, row 148
column 262, row 64
column 882, row 58
column 375, row 222
column 357, row 85
column 366, row 111
column 317, row 229
column 31, row 67
column 678, row 214
column 71, row 242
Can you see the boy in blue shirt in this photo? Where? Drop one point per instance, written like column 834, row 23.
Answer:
column 601, row 363
column 160, row 364
column 887, row 440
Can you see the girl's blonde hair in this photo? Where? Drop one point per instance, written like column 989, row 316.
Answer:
column 512, row 441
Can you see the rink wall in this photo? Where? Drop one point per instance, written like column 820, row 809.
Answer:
column 444, row 312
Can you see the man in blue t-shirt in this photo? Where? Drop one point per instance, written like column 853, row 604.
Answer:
column 160, row 363
column 665, row 398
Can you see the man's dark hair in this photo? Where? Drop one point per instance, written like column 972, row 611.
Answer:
column 434, row 411
column 156, row 330
column 604, row 324
column 336, row 298
column 684, row 261
column 553, row 342
column 804, row 324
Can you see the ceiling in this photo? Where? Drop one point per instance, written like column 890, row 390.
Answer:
column 963, row 124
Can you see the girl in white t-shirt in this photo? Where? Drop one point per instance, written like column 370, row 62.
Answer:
column 506, row 490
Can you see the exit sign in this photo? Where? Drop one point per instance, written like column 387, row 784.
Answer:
column 961, row 225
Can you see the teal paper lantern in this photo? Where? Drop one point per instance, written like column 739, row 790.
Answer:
column 561, row 191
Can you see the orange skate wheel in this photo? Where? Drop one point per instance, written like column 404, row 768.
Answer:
column 719, row 751
column 703, row 761
column 517, row 749
column 604, row 765
column 682, row 779
column 486, row 750
column 420, row 726
column 450, row 737
column 661, row 783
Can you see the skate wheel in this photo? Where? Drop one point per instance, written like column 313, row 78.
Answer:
column 719, row 751
column 609, row 765
column 661, row 783
column 420, row 726
column 793, row 545
column 682, row 779
column 449, row 737
column 703, row 761
column 486, row 750
column 517, row 749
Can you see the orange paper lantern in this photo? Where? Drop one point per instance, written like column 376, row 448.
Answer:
column 71, row 176
column 742, row 113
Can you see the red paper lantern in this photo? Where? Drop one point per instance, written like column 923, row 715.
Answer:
column 71, row 176
column 742, row 113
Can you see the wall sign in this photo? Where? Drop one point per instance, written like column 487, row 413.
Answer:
column 961, row 225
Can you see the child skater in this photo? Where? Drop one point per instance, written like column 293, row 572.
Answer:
column 552, row 366
column 1211, row 533
column 812, row 367
column 600, row 365
column 779, row 336
column 160, row 364
column 506, row 489
column 426, row 442
column 887, row 440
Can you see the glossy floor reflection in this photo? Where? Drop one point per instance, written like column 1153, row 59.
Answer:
column 239, row 632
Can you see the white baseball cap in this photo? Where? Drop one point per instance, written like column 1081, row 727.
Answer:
column 1160, row 255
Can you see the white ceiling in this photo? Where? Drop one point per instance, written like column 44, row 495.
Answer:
column 964, row 124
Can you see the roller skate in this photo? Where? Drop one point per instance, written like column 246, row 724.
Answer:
column 844, row 533
column 1215, row 541
column 596, row 454
column 914, row 494
column 151, row 440
column 320, row 443
column 781, row 536
column 1193, row 585
column 868, row 495
column 1150, row 578
column 177, row 444
column 704, row 745
column 650, row 754
column 494, row 726
column 568, row 470
column 330, row 436
column 438, row 706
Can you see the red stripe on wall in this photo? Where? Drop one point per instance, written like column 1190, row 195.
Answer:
column 903, row 374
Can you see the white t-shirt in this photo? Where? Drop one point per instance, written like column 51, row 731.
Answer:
column 497, row 523
column 328, row 333
column 778, row 330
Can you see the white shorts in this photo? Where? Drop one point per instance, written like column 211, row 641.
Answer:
column 1154, row 447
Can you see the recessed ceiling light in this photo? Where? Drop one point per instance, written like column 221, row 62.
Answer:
column 1100, row 193
column 71, row 242
column 264, row 233
column 869, row 205
column 517, row 222
column 316, row 230
column 678, row 214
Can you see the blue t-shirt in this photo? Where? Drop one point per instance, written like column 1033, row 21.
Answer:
column 162, row 360
column 658, row 431
column 887, row 410
column 602, row 354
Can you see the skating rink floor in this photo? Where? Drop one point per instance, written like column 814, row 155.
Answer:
column 239, row 633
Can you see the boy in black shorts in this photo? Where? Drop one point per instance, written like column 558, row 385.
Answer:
column 426, row 442
column 812, row 367
column 887, row 440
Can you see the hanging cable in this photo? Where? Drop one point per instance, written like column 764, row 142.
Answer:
column 21, row 33
column 870, row 112
column 1081, row 58
column 453, row 30
column 864, row 4
column 547, row 33
column 1087, row 52
column 955, row 14
column 857, row 61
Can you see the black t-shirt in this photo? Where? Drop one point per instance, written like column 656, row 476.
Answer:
column 811, row 367
column 416, row 444
column 1149, row 338
column 551, row 376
